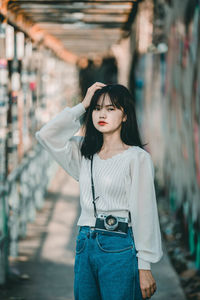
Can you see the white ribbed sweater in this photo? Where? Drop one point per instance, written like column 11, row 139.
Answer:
column 123, row 182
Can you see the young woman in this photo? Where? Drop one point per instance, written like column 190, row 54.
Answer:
column 111, row 262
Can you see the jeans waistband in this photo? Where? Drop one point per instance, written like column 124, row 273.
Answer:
column 91, row 229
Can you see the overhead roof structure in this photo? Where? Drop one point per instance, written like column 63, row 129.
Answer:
column 83, row 27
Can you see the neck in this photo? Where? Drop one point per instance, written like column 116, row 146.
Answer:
column 112, row 141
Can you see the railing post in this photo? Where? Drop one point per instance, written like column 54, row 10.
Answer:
column 3, row 236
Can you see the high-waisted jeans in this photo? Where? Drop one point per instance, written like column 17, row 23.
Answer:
column 106, row 266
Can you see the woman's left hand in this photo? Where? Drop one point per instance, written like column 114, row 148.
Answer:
column 147, row 283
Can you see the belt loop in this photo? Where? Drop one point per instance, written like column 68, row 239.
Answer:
column 129, row 215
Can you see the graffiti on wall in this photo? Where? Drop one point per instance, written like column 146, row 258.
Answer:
column 170, row 113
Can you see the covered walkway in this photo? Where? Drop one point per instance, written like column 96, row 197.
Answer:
column 50, row 53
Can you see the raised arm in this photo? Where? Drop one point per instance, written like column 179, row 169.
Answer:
column 57, row 137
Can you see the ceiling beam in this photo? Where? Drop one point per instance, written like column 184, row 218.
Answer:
column 49, row 10
column 53, row 2
column 36, row 33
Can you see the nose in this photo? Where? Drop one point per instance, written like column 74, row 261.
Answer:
column 102, row 113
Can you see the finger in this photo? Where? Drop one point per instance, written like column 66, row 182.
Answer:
column 148, row 292
column 154, row 287
column 97, row 82
column 95, row 86
column 152, row 290
column 98, row 88
column 144, row 294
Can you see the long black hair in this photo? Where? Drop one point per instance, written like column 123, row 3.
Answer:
column 121, row 98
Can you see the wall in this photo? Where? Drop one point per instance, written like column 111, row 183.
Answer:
column 167, row 89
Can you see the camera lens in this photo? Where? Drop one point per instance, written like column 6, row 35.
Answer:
column 111, row 222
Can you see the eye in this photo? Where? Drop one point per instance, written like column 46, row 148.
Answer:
column 96, row 108
column 110, row 108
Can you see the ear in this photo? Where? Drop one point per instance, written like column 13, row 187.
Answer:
column 124, row 118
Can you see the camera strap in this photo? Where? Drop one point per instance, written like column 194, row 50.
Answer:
column 93, row 192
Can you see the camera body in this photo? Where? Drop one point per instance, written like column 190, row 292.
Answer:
column 111, row 223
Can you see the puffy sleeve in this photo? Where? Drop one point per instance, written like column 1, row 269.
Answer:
column 144, row 213
column 57, row 137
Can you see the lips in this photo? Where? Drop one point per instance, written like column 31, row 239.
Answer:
column 102, row 123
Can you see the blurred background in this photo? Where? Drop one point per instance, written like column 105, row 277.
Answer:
column 50, row 53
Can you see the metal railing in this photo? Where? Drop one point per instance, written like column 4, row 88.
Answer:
column 21, row 196
column 3, row 236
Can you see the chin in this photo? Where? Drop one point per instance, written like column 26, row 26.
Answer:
column 101, row 129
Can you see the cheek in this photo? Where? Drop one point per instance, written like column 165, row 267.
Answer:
column 116, row 119
column 94, row 116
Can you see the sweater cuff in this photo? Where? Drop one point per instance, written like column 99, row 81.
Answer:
column 78, row 110
column 143, row 264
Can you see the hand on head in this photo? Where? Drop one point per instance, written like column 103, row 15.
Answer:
column 90, row 92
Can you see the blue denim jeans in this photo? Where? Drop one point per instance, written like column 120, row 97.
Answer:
column 106, row 266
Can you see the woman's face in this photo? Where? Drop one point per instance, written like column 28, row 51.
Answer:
column 106, row 117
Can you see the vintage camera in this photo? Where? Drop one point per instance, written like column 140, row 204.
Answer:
column 111, row 223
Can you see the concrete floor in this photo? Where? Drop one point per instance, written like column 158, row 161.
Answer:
column 46, row 256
